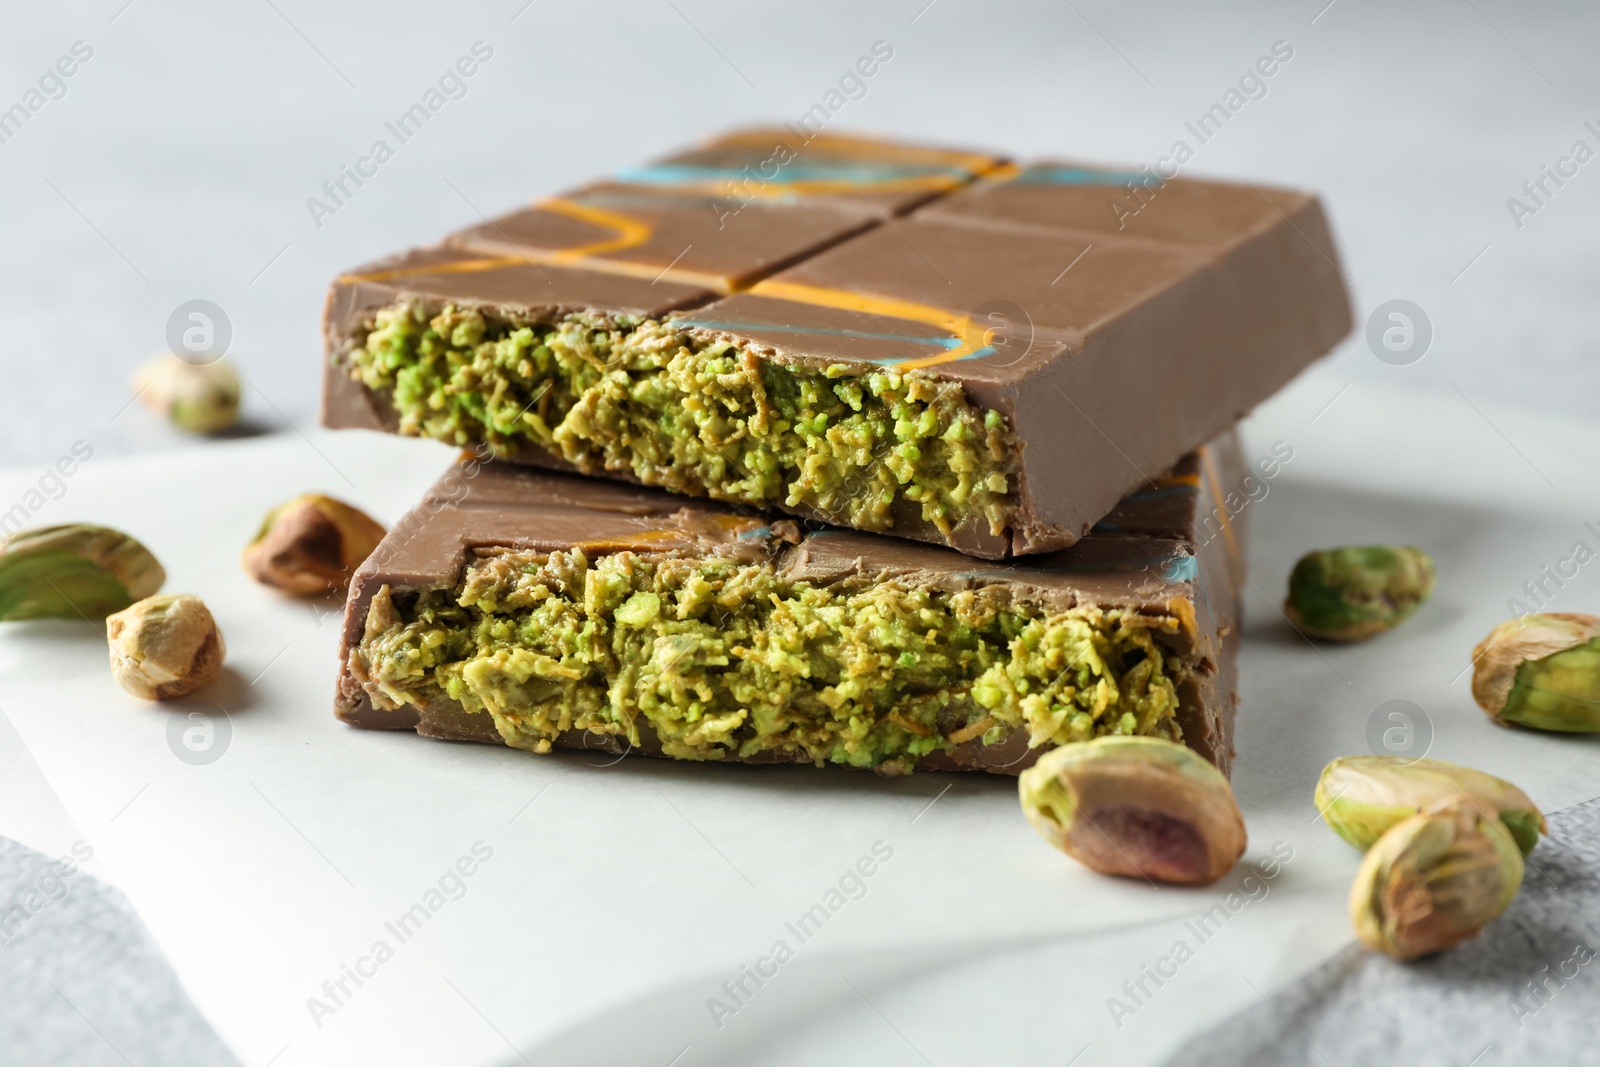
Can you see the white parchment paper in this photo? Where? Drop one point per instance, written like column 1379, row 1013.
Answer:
column 331, row 896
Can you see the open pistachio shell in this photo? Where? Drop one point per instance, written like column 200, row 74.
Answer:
column 1541, row 671
column 311, row 545
column 75, row 571
column 1140, row 807
column 1361, row 797
column 1434, row 880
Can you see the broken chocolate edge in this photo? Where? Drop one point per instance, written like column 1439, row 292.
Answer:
column 1208, row 701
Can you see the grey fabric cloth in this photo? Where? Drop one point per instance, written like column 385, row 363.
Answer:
column 81, row 982
column 1523, row 991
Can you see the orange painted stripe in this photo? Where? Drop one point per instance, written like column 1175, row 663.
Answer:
column 629, row 233
column 756, row 189
column 975, row 162
column 460, row 266
column 961, row 327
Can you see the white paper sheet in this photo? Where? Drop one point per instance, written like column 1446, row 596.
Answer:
column 608, row 902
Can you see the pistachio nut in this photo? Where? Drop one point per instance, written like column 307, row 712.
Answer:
column 1357, row 592
column 165, row 646
column 1434, row 880
column 1361, row 797
column 1137, row 807
column 311, row 545
column 1541, row 671
column 76, row 571
column 200, row 398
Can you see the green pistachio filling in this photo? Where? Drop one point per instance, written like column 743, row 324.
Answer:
column 724, row 658
column 707, row 418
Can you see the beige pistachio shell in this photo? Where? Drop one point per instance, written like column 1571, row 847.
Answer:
column 1541, row 671
column 1361, row 797
column 200, row 398
column 73, row 571
column 1140, row 807
column 1434, row 880
column 1515, row 642
column 165, row 646
column 311, row 545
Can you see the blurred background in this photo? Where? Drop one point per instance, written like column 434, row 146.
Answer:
column 185, row 155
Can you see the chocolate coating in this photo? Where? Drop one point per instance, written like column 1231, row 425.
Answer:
column 787, row 165
column 718, row 242
column 1116, row 328
column 1176, row 554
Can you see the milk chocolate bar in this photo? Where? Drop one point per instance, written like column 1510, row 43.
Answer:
column 922, row 342
column 542, row 610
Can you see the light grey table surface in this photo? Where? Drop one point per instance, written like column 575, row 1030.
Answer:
column 177, row 161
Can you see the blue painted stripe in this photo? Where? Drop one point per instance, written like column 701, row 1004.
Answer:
column 945, row 343
column 1082, row 176
column 1181, row 569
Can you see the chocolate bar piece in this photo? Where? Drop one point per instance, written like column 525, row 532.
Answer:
column 991, row 369
column 542, row 610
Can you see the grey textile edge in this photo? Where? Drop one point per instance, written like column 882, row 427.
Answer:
column 1523, row 991
column 81, row 981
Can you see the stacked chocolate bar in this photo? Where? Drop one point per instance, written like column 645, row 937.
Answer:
column 826, row 450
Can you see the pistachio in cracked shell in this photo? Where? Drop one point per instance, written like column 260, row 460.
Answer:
column 1136, row 807
column 311, row 545
column 165, row 646
column 75, row 571
column 1434, row 880
column 1361, row 797
column 198, row 397
column 1359, row 591
column 1541, row 671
